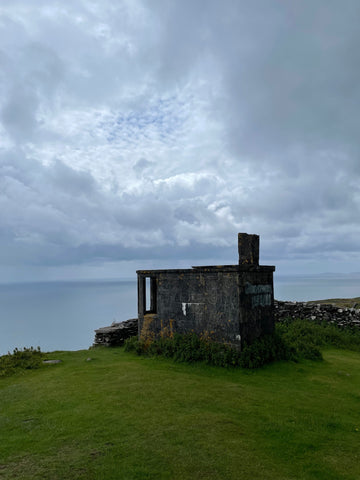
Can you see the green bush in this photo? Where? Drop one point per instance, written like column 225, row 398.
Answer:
column 266, row 349
column 20, row 359
column 130, row 344
column 190, row 348
column 302, row 338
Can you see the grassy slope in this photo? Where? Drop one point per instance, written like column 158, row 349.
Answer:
column 340, row 302
column 125, row 417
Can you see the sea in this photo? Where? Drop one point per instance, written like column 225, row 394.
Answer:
column 62, row 315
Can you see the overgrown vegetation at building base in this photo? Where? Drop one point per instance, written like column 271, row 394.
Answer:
column 20, row 359
column 292, row 340
column 191, row 348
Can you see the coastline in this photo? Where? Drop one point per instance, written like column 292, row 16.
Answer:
column 63, row 315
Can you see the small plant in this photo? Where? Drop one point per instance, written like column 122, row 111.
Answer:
column 20, row 359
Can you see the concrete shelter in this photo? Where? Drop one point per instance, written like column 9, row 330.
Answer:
column 232, row 304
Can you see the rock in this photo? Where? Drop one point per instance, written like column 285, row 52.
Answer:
column 116, row 334
column 51, row 362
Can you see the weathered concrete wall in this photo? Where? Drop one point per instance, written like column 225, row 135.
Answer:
column 205, row 302
column 256, row 302
column 230, row 304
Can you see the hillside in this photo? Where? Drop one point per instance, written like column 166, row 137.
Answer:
column 108, row 414
column 340, row 302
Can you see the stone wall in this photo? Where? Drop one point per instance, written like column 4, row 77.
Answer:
column 116, row 334
column 343, row 317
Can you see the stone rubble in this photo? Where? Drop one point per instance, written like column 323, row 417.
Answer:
column 320, row 312
column 116, row 334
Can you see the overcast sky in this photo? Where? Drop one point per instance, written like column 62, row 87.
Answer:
column 146, row 134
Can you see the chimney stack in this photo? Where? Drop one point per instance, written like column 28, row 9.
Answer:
column 248, row 249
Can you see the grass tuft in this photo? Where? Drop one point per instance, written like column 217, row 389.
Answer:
column 19, row 360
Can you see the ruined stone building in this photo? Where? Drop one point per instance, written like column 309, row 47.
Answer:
column 230, row 303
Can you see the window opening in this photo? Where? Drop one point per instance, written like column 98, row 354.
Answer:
column 150, row 295
column 147, row 294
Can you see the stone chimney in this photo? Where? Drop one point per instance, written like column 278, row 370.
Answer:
column 248, row 249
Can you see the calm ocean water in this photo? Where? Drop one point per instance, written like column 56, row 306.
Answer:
column 64, row 315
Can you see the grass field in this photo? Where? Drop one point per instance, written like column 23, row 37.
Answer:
column 119, row 416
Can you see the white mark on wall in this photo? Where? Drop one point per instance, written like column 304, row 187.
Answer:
column 186, row 306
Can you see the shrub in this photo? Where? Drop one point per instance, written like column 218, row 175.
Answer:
column 302, row 337
column 20, row 359
column 190, row 348
column 130, row 344
column 264, row 350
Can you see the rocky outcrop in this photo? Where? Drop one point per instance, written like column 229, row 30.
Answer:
column 343, row 317
column 116, row 334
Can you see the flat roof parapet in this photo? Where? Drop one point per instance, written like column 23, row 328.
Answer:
column 211, row 268
column 234, row 268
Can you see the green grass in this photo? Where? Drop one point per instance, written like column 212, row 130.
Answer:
column 306, row 336
column 120, row 416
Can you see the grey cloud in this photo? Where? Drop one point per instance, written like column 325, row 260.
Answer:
column 19, row 113
column 71, row 181
column 290, row 71
column 300, row 87
column 55, row 214
column 33, row 77
column 143, row 167
column 186, row 214
column 276, row 84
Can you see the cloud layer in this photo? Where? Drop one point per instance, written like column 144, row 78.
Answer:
column 130, row 133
